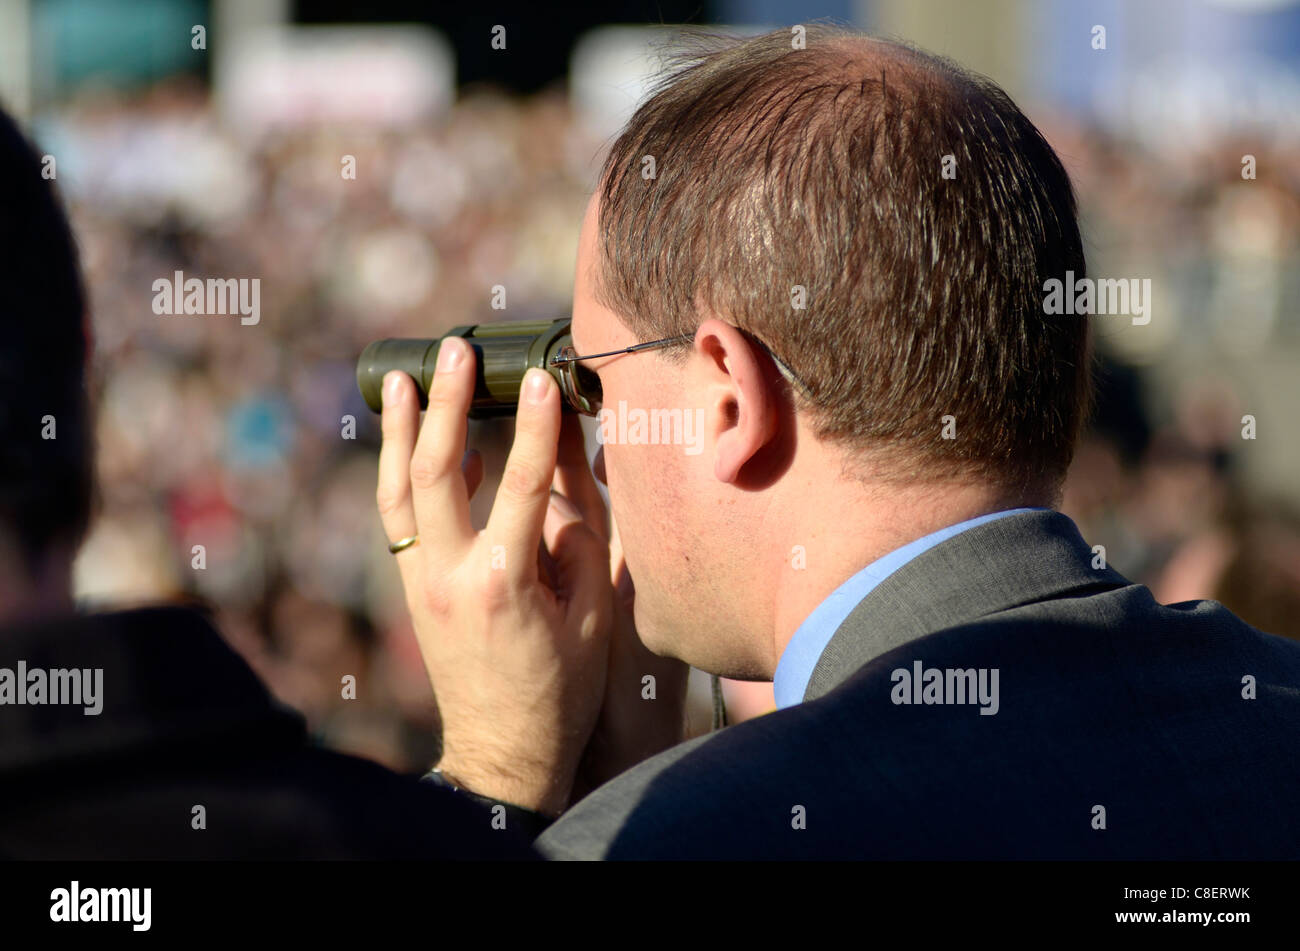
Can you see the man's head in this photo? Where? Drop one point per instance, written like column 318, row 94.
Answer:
column 884, row 222
column 45, row 443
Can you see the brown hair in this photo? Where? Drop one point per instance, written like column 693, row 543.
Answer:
column 822, row 167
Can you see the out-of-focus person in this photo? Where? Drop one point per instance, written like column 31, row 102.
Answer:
column 141, row 734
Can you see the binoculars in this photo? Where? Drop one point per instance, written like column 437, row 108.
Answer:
column 503, row 353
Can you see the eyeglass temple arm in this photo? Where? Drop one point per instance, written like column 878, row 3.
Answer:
column 635, row 348
column 786, row 372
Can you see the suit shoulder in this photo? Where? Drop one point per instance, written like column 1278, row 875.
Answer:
column 588, row 828
column 677, row 790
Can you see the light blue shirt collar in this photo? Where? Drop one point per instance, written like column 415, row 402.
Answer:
column 805, row 648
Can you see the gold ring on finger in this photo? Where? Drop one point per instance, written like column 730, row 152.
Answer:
column 404, row 544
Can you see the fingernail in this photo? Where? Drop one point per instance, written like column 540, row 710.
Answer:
column 392, row 385
column 535, row 385
column 449, row 354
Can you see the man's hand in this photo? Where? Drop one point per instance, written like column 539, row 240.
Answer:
column 514, row 621
column 639, row 718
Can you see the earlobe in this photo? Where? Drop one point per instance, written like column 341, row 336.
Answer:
column 742, row 407
column 751, row 429
column 729, row 459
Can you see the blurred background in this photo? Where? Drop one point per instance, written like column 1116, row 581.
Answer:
column 212, row 137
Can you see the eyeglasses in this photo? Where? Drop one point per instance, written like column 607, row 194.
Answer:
column 581, row 386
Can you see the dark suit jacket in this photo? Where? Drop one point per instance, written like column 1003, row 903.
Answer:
column 185, row 722
column 1107, row 699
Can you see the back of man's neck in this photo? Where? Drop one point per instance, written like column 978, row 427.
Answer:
column 841, row 534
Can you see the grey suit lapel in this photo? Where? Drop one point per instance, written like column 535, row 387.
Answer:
column 1015, row 560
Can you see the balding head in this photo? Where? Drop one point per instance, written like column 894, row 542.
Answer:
column 884, row 221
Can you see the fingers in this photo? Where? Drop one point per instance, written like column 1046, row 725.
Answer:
column 438, row 488
column 521, row 502
column 573, row 477
column 399, row 423
column 577, row 554
column 471, row 466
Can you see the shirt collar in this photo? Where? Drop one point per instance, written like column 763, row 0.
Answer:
column 800, row 656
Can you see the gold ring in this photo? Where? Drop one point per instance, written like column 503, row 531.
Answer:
column 404, row 544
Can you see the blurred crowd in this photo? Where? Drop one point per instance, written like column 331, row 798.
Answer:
column 1187, row 474
column 229, row 472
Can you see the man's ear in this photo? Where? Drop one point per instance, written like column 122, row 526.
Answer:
column 739, row 402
